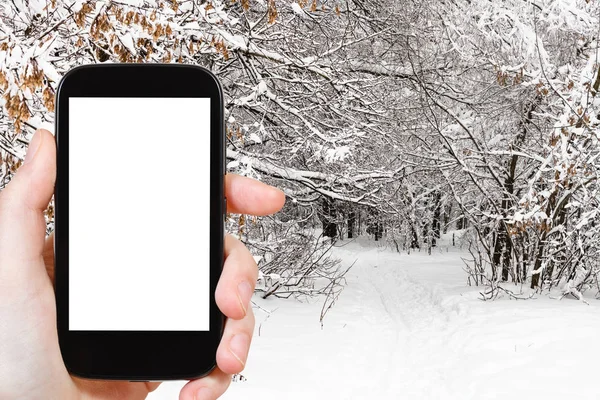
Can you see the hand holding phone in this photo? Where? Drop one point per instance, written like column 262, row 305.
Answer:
column 31, row 365
column 140, row 173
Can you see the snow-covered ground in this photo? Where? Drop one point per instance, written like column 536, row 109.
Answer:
column 408, row 327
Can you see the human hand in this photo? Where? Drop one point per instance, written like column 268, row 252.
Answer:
column 31, row 365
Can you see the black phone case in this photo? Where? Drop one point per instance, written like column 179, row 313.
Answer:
column 138, row 355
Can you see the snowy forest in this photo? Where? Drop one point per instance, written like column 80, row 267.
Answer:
column 461, row 132
column 396, row 119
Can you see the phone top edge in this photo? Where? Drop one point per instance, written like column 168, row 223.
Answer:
column 110, row 70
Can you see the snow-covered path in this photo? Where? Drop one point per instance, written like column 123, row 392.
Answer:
column 407, row 327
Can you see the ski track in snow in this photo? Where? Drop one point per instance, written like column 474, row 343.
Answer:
column 413, row 316
column 407, row 327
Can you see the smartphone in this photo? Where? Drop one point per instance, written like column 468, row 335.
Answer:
column 139, row 220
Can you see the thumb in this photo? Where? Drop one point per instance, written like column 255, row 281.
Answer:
column 22, row 202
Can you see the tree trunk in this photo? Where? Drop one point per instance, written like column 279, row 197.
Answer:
column 378, row 230
column 351, row 222
column 506, row 259
column 518, row 266
column 436, row 223
column 525, row 265
column 497, row 255
column 535, row 278
column 414, row 241
column 375, row 226
column 561, row 255
column 461, row 223
column 447, row 214
column 329, row 224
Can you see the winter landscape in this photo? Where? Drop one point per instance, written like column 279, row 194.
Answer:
column 441, row 234
column 408, row 327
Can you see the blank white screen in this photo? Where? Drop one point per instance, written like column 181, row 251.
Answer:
column 139, row 175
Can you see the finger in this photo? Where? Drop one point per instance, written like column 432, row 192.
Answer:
column 231, row 358
column 249, row 196
column 113, row 390
column 22, row 202
column 210, row 387
column 237, row 281
column 235, row 344
column 152, row 386
column 49, row 255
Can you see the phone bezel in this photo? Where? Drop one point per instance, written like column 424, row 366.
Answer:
column 138, row 355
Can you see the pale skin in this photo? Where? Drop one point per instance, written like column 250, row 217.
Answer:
column 31, row 366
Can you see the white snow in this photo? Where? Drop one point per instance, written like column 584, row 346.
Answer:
column 233, row 164
column 49, row 70
column 337, row 154
column 261, row 88
column 37, row 6
column 408, row 327
column 235, row 41
column 136, row 3
column 298, row 10
column 127, row 41
column 255, row 138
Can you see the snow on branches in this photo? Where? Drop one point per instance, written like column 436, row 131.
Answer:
column 398, row 119
column 531, row 151
column 287, row 103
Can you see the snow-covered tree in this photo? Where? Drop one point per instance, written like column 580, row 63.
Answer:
column 299, row 107
column 398, row 119
column 515, row 114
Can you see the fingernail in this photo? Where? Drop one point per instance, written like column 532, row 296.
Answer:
column 34, row 145
column 204, row 393
column 239, row 345
column 244, row 294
